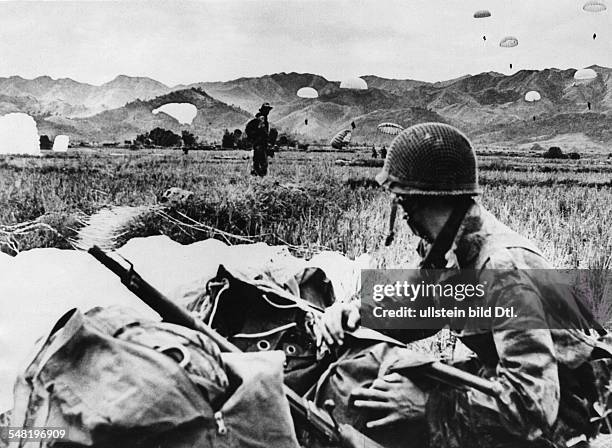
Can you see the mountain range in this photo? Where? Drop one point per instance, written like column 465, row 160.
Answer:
column 489, row 107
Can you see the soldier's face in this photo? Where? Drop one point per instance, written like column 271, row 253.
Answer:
column 415, row 218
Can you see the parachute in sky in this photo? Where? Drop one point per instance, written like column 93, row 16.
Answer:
column 390, row 128
column 508, row 42
column 583, row 79
column 354, row 83
column 594, row 6
column 341, row 138
column 18, row 134
column 585, row 74
column 60, row 144
column 482, row 14
column 307, row 92
column 184, row 113
column 532, row 96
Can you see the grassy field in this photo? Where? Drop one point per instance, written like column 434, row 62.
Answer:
column 307, row 202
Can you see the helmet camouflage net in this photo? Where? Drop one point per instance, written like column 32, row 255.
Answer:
column 430, row 159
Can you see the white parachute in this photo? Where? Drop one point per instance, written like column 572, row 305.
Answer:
column 354, row 83
column 38, row 286
column 508, row 42
column 60, row 144
column 390, row 128
column 184, row 113
column 583, row 81
column 307, row 92
column 594, row 6
column 341, row 138
column 18, row 134
column 585, row 74
column 532, row 96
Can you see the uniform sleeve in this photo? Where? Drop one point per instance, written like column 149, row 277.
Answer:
column 526, row 374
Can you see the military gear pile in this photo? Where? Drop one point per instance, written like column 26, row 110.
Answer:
column 430, row 159
column 113, row 379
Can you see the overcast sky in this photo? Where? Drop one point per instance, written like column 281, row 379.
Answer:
column 189, row 41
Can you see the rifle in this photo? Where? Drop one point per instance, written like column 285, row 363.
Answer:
column 318, row 420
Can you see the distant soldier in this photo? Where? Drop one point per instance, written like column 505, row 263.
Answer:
column 383, row 152
column 552, row 383
column 374, row 152
column 257, row 131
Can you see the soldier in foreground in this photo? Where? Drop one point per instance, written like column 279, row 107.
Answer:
column 549, row 380
column 258, row 131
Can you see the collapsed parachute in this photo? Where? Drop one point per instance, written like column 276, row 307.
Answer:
column 307, row 92
column 532, row 96
column 341, row 139
column 354, row 83
column 60, row 144
column 18, row 134
column 390, row 128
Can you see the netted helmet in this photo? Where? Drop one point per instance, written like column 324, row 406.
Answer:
column 430, row 159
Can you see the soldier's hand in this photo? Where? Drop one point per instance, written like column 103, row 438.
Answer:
column 336, row 320
column 394, row 393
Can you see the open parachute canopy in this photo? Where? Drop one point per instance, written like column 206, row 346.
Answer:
column 184, row 113
column 532, row 96
column 594, row 6
column 307, row 92
column 353, row 83
column 508, row 42
column 482, row 13
column 390, row 128
column 341, row 138
column 585, row 74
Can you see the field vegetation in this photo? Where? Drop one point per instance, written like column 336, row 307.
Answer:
column 308, row 202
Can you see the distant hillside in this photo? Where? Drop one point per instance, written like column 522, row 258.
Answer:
column 126, row 122
column 70, row 98
column 489, row 106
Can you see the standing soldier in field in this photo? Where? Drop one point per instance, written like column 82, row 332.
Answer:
column 553, row 382
column 258, row 131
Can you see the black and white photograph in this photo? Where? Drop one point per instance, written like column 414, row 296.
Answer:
column 306, row 224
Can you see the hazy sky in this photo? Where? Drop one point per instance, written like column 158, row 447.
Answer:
column 188, row 41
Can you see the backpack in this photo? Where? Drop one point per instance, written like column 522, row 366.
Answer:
column 114, row 379
column 252, row 129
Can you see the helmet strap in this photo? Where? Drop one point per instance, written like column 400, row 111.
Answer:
column 392, row 216
column 436, row 257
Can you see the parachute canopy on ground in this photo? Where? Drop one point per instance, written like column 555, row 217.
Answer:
column 307, row 92
column 585, row 74
column 184, row 113
column 354, row 83
column 508, row 42
column 594, row 6
column 390, row 128
column 532, row 96
column 341, row 138
column 60, row 144
column 482, row 13
column 18, row 134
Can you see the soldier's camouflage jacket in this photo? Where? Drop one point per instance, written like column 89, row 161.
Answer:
column 549, row 379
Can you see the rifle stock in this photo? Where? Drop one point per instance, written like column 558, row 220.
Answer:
column 306, row 411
